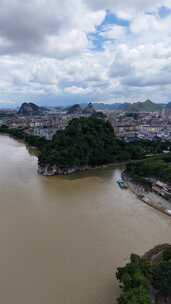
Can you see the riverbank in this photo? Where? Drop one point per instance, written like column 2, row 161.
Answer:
column 31, row 141
column 48, row 170
column 147, row 197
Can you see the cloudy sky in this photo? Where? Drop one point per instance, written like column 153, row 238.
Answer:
column 63, row 51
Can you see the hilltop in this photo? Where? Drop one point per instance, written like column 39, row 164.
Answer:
column 74, row 109
column 85, row 143
column 146, row 106
column 30, row 109
column 89, row 109
column 80, row 109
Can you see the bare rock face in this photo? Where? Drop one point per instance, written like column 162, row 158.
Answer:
column 47, row 170
column 154, row 255
column 29, row 109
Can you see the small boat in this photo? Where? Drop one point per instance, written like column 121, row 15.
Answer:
column 122, row 184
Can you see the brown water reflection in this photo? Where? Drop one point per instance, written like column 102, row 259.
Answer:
column 62, row 238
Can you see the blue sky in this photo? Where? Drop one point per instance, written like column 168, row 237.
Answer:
column 110, row 19
column 83, row 50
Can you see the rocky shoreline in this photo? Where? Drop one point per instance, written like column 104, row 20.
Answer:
column 155, row 253
column 47, row 170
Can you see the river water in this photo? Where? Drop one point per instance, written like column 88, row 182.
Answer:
column 62, row 238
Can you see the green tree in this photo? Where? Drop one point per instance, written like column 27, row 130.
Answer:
column 138, row 295
column 162, row 278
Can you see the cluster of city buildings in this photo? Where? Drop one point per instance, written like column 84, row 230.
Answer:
column 142, row 125
column 127, row 125
column 46, row 123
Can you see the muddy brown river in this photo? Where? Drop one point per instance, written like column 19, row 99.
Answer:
column 62, row 238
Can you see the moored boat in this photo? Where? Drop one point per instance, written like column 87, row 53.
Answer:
column 122, row 184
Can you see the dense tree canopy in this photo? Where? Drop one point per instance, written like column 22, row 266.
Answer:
column 143, row 280
column 84, row 142
column 159, row 168
column 162, row 275
column 138, row 295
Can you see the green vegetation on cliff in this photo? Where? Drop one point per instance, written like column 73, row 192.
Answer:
column 84, row 142
column 146, row 281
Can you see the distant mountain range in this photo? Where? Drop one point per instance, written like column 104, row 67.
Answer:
column 89, row 108
column 113, row 106
column 146, row 106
